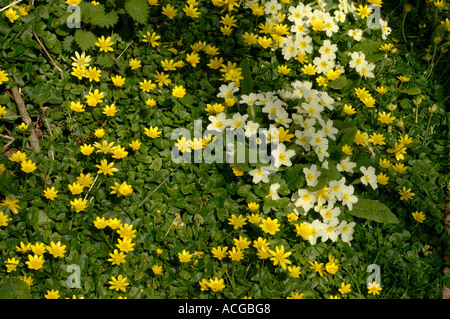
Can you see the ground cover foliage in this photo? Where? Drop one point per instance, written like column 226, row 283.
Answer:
column 117, row 181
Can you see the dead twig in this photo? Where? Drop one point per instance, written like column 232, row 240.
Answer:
column 33, row 139
column 53, row 61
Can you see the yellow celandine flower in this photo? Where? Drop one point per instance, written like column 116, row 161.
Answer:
column 399, row 150
column 57, row 250
column 105, row 168
column 75, row 188
column 400, row 168
column 93, row 74
column 118, row 80
column 203, row 284
column 386, row 47
column 79, row 72
column 151, row 38
column 347, row 149
column 35, row 262
column 3, row 76
column 125, row 244
column 119, row 152
column 377, row 139
column 296, row 295
column 28, row 281
column 405, row 140
column 211, row 50
column 369, row 102
column 382, row 179
column 384, row 163
column 252, row 206
column 82, row 60
column 11, row 204
column 117, row 257
column 78, row 204
column 100, row 222
column 2, row 110
column 11, row 264
column 12, row 14
column 309, row 69
column 216, row 284
column 157, row 270
column 147, row 86
column 280, row 257
column 93, row 98
column 191, row 11
column 22, row 127
column 292, row 217
column 178, row 91
column 361, row 138
column 85, row 180
column 381, row 90
column 152, row 132
column 386, row 118
column 110, row 110
column 294, row 271
column 406, row 194
column 419, row 216
column 150, row 102
column 403, row 78
column 99, row 132
column 169, row 11
column 241, row 243
column 270, row 226
column 237, row 221
column 18, row 157
column 219, row 252
column 121, row 189
column 318, row 268
column 236, row 254
column 364, row 11
column 105, row 147
column 38, row 248
column 4, row 219
column 105, row 45
column 73, row 2
column 345, row 288
column 23, row 248
column 135, row 64
column 28, row 166
column 52, row 294
column 193, row 59
column 439, row 4
column 348, row 109
column 135, row 145
column 332, row 267
column 114, row 223
column 118, row 283
column 185, row 256
column 76, row 107
column 86, row 149
column 374, row 288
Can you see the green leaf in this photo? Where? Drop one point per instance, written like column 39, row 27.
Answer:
column 105, row 20
column 138, row 10
column 247, row 81
column 14, row 288
column 294, row 177
column 338, row 83
column 412, row 91
column 373, row 210
column 85, row 39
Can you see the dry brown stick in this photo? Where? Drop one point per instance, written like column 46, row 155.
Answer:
column 33, row 139
column 54, row 62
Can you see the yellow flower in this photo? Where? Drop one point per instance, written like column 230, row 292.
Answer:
column 364, row 11
column 3, row 77
column 105, row 168
column 126, row 230
column 100, row 223
column 169, row 11
column 11, row 204
column 119, row 152
column 419, row 216
column 105, row 147
column 57, row 250
column 216, row 284
column 11, row 264
column 75, row 188
column 347, row 149
column 237, row 221
column 184, row 256
column 309, row 69
column 86, row 149
column 219, row 252
column 134, row 64
column 151, row 38
column 76, row 107
column 349, row 110
column 4, row 219
column 386, row 47
column 23, row 248
column 406, row 194
column 52, row 294
column 147, row 86
column 81, row 60
column 283, row 69
column 270, row 226
column 114, row 223
column 118, row 80
column 11, row 14
column 104, row 44
column 319, row 268
column 345, row 289
column 382, row 179
column 28, row 166
column 118, row 284
column 110, row 110
column 125, row 244
column 400, row 168
column 93, row 74
column 121, row 189
column 384, row 163
column 179, row 91
column 374, row 288
column 193, row 58
column 377, row 139
column 296, row 295
column 280, row 257
column 294, row 271
column 99, row 132
column 386, row 118
column 403, row 78
column 157, row 270
column 93, row 98
column 35, row 262
column 381, row 89
column 22, row 127
column 78, row 204
column 252, row 206
column 150, row 102
column 236, row 254
column 152, row 132
column 117, row 257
